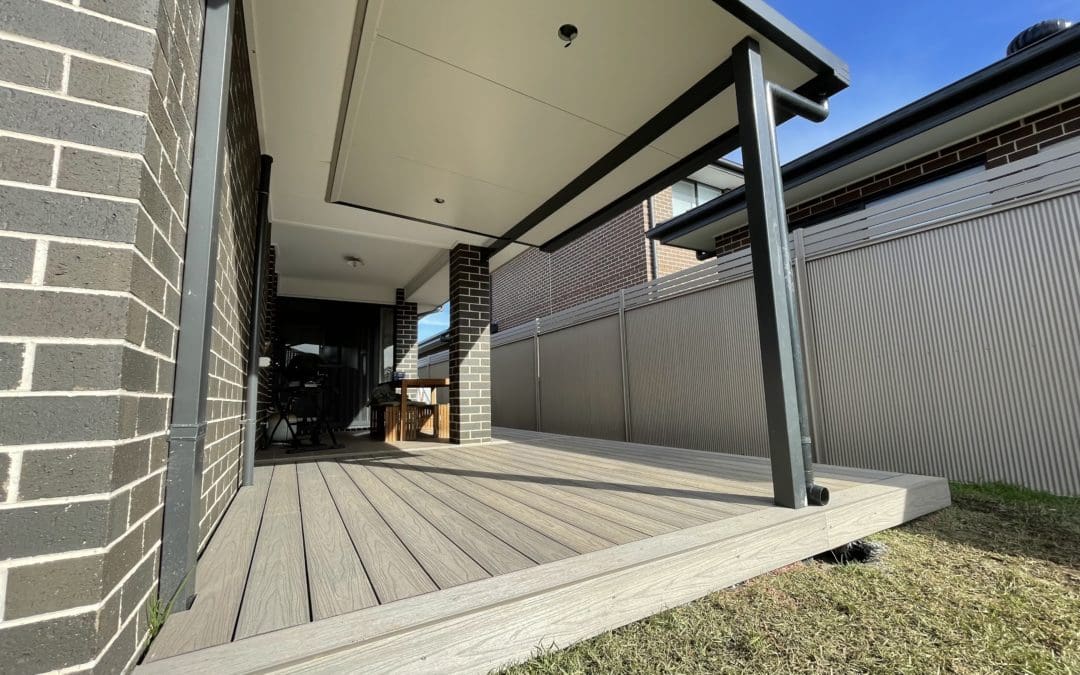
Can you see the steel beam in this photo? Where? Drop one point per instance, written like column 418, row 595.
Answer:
column 187, row 434
column 772, row 273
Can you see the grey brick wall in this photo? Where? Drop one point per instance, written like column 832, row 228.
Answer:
column 470, row 345
column 406, row 348
column 97, row 107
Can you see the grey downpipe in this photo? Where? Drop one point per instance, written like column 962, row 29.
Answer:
column 187, row 431
column 653, row 247
column 258, row 290
column 817, row 495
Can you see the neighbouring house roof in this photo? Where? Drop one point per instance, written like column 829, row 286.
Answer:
column 435, row 343
column 1042, row 75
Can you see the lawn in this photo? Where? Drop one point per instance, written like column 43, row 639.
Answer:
column 989, row 585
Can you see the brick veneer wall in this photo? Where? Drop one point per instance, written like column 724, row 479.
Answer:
column 97, row 107
column 1007, row 143
column 222, row 460
column 535, row 283
column 470, row 345
column 406, row 347
column 669, row 259
column 613, row 256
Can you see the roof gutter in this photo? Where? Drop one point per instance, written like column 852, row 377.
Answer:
column 1053, row 56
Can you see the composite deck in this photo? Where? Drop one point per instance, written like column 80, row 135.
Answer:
column 447, row 558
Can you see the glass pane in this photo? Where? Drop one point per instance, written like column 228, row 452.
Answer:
column 706, row 193
column 682, row 197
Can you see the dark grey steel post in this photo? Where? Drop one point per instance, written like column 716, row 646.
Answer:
column 258, row 290
column 187, row 435
column 768, row 243
column 624, row 371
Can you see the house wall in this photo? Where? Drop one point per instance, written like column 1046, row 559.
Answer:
column 1007, row 143
column 612, row 256
column 670, row 259
column 97, row 108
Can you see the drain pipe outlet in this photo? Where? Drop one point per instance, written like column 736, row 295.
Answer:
column 258, row 290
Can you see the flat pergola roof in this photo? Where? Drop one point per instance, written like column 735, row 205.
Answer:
column 402, row 128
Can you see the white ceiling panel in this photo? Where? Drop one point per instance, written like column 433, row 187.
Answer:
column 655, row 50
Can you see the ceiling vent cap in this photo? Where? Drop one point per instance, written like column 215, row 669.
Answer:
column 1037, row 33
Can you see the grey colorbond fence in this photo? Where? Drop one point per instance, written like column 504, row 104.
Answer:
column 942, row 333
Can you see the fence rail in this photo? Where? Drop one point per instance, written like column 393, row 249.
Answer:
column 942, row 334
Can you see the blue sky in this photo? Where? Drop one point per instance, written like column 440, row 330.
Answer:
column 434, row 323
column 901, row 51
column 898, row 52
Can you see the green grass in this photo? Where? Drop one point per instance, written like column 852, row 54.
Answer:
column 989, row 585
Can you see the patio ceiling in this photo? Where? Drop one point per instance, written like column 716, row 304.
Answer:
column 375, row 110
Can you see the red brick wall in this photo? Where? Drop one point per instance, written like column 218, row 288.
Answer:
column 615, row 255
column 669, row 259
column 1007, row 143
column 535, row 284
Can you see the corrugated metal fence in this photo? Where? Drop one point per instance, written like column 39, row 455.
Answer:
column 942, row 336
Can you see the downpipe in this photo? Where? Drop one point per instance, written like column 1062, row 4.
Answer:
column 258, row 290
column 816, row 495
column 654, row 264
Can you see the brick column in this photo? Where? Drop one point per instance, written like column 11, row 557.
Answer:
column 470, row 337
column 405, row 342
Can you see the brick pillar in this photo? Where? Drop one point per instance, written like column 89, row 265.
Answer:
column 470, row 337
column 405, row 343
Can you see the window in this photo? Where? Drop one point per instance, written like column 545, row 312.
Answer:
column 687, row 194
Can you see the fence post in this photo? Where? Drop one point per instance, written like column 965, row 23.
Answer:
column 627, row 434
column 536, row 367
column 809, row 343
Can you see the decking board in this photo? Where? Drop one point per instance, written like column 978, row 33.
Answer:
column 276, row 595
column 666, row 502
column 610, row 531
column 588, row 512
column 573, row 537
column 221, row 577
column 537, row 546
column 393, row 571
column 492, row 553
column 337, row 582
column 445, row 563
